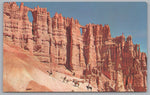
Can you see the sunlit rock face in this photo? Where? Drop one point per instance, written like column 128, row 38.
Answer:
column 92, row 55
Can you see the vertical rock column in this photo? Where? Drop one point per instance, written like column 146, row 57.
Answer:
column 97, row 40
column 144, row 68
column 17, row 27
column 40, row 33
column 26, row 34
column 51, row 45
column 90, row 53
column 119, row 73
column 11, row 21
column 59, row 40
column 69, row 45
column 76, row 45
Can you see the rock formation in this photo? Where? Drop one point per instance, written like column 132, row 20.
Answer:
column 58, row 41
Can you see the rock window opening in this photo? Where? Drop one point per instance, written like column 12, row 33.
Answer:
column 30, row 16
column 81, row 31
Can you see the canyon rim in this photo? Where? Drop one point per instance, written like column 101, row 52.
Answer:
column 50, row 54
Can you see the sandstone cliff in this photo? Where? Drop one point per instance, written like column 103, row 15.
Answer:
column 58, row 42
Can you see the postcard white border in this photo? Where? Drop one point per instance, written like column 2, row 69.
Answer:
column 101, row 93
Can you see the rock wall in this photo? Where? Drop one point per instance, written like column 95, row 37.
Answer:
column 58, row 41
column 17, row 28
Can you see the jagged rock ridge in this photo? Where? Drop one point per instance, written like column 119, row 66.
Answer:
column 58, row 41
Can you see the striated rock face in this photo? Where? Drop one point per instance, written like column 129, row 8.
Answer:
column 17, row 28
column 58, row 41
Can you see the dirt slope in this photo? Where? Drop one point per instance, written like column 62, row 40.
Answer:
column 22, row 72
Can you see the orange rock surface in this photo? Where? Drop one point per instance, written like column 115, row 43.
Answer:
column 58, row 43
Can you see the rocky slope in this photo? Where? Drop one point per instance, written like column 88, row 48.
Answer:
column 58, row 42
column 23, row 72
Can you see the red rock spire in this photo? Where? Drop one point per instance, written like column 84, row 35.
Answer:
column 58, row 41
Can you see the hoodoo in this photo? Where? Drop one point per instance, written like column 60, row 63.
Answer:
column 93, row 55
